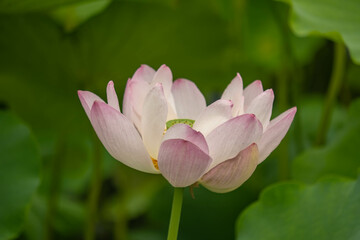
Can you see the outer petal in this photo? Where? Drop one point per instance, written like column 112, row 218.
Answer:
column 232, row 173
column 215, row 114
column 261, row 106
column 274, row 133
column 228, row 139
column 181, row 162
column 87, row 100
column 120, row 137
column 234, row 92
column 153, row 119
column 252, row 91
column 127, row 107
column 185, row 132
column 189, row 101
column 164, row 76
column 144, row 73
column 111, row 96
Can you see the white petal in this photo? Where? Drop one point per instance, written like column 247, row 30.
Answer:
column 87, row 99
column 183, row 131
column 228, row 139
column 120, row 137
column 252, row 91
column 274, row 133
column 214, row 115
column 234, row 92
column 111, row 96
column 164, row 76
column 189, row 101
column 153, row 120
column 261, row 106
column 232, row 173
column 181, row 162
column 144, row 73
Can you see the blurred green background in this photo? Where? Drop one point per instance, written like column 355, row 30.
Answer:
column 58, row 182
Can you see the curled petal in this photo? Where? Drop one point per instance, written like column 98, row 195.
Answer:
column 232, row 173
column 153, row 119
column 127, row 107
column 185, row 132
column 87, row 100
column 189, row 101
column 252, row 91
column 234, row 92
column 144, row 73
column 120, row 137
column 111, row 96
column 261, row 106
column 214, row 115
column 274, row 133
column 228, row 139
column 181, row 162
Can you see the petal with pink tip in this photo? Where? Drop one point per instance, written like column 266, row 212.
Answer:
column 189, row 101
column 252, row 91
column 87, row 100
column 228, row 139
column 111, row 96
column 120, row 137
column 214, row 115
column 181, row 162
column 274, row 133
column 183, row 131
column 164, row 76
column 144, row 73
column 153, row 119
column 261, row 106
column 232, row 173
column 234, row 92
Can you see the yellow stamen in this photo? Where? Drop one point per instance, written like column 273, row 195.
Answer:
column 155, row 162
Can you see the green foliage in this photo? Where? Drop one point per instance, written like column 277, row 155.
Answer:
column 328, row 209
column 335, row 19
column 19, row 173
column 339, row 157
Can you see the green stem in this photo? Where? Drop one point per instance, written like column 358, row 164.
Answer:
column 94, row 192
column 337, row 76
column 175, row 213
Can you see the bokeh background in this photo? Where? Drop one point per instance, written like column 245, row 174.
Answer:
column 58, row 182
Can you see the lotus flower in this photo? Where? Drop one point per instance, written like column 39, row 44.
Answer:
column 166, row 128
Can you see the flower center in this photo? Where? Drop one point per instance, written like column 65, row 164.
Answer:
column 171, row 123
column 155, row 162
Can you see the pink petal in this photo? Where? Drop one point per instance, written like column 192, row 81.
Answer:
column 120, row 137
column 261, row 106
column 185, row 132
column 138, row 91
column 189, row 101
column 232, row 173
column 153, row 119
column 87, row 99
column 111, row 96
column 214, row 115
column 181, row 162
column 127, row 107
column 274, row 133
column 135, row 93
column 252, row 91
column 144, row 73
column 228, row 139
column 164, row 76
column 234, row 92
